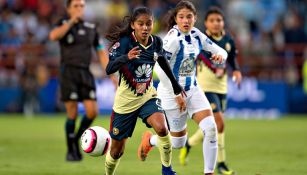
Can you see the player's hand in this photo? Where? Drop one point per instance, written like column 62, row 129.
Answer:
column 237, row 77
column 114, row 80
column 134, row 53
column 181, row 101
column 217, row 59
column 76, row 17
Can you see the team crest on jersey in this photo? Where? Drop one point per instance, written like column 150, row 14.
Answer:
column 228, row 47
column 115, row 131
column 70, row 39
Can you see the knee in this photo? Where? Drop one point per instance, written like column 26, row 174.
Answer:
column 161, row 130
column 209, row 127
column 92, row 113
column 219, row 119
column 116, row 153
column 179, row 142
column 220, row 127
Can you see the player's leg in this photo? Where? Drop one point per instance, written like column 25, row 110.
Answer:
column 87, row 92
column 121, row 127
column 91, row 112
column 202, row 114
column 195, row 139
column 219, row 119
column 113, row 156
column 152, row 114
column 72, row 113
column 206, row 122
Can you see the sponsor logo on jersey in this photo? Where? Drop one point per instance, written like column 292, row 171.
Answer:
column 143, row 72
column 187, row 67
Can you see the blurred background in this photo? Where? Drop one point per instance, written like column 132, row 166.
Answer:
column 271, row 37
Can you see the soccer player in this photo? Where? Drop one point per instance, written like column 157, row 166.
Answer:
column 77, row 38
column 134, row 53
column 182, row 45
column 213, row 80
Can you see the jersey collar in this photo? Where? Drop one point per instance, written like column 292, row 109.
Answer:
column 217, row 38
column 150, row 40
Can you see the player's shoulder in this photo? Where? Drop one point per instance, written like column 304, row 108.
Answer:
column 228, row 36
column 173, row 33
column 156, row 39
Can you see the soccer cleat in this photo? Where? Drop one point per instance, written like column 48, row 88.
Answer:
column 183, row 155
column 223, row 169
column 72, row 157
column 145, row 146
column 76, row 150
column 168, row 170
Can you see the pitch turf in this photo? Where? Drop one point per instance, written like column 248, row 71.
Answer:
column 254, row 147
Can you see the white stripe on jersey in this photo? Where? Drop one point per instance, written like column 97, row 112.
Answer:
column 182, row 49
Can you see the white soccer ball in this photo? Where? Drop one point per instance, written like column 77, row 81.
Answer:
column 95, row 141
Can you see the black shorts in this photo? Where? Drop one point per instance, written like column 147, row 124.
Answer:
column 77, row 84
column 217, row 101
column 122, row 125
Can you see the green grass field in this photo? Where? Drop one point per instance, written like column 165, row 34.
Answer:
column 254, row 147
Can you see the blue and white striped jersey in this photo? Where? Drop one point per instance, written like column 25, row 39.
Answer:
column 182, row 49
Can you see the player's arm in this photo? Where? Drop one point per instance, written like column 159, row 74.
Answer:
column 118, row 57
column 233, row 63
column 219, row 55
column 63, row 27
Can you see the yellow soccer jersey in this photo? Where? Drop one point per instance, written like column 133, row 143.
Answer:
column 135, row 76
column 213, row 77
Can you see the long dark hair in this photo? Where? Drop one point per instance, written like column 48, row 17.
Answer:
column 173, row 13
column 125, row 28
column 214, row 10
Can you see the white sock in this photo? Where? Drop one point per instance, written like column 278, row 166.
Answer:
column 179, row 142
column 208, row 126
column 153, row 140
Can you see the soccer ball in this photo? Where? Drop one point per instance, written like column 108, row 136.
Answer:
column 95, row 141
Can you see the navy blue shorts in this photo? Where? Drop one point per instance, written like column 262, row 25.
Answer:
column 122, row 125
column 217, row 101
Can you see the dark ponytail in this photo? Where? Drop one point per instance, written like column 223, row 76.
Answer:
column 125, row 27
column 173, row 13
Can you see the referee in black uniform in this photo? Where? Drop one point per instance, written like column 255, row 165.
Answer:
column 77, row 38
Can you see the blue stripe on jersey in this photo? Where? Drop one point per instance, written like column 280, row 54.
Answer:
column 199, row 44
column 188, row 38
column 179, row 59
column 187, row 83
column 195, row 79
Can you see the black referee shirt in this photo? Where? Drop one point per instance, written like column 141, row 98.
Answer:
column 77, row 44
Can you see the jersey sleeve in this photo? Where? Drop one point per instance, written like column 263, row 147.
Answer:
column 209, row 45
column 98, row 42
column 118, row 56
column 231, row 60
column 170, row 44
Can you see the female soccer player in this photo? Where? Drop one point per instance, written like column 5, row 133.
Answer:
column 213, row 80
column 182, row 45
column 134, row 54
